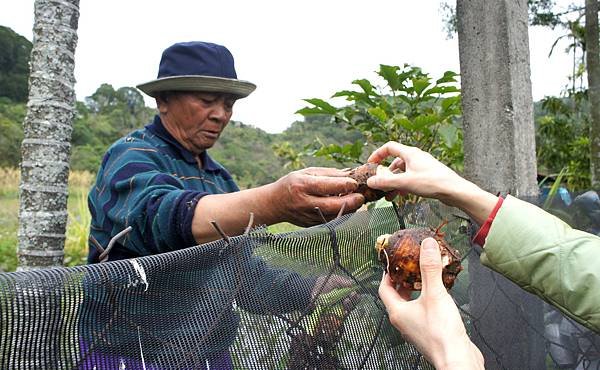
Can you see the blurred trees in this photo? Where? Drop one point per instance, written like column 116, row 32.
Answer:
column 14, row 65
column 562, row 140
column 104, row 117
column 11, row 132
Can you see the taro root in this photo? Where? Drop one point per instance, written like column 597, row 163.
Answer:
column 399, row 252
column 361, row 174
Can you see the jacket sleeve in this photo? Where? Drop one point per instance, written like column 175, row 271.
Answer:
column 545, row 256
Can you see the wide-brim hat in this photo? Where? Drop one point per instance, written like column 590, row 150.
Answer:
column 197, row 66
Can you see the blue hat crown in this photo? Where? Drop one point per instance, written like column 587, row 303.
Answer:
column 197, row 58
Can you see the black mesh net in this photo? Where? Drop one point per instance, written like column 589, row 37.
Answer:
column 299, row 300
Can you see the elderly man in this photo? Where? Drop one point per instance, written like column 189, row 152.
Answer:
column 161, row 181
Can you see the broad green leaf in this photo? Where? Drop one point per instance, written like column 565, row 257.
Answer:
column 390, row 75
column 328, row 149
column 405, row 99
column 365, row 85
column 378, row 113
column 381, row 137
column 356, row 149
column 448, row 102
column 354, row 96
column 344, row 93
column 449, row 135
column 387, row 107
column 441, row 90
column 426, row 120
column 325, row 107
column 404, row 123
column 447, row 77
column 420, row 84
column 402, row 77
column 306, row 111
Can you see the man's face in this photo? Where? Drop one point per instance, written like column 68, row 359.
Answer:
column 196, row 119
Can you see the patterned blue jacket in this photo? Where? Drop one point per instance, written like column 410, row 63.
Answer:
column 147, row 180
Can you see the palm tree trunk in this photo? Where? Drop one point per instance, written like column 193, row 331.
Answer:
column 47, row 130
column 593, row 73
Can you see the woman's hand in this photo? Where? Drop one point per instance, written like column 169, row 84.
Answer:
column 417, row 172
column 431, row 322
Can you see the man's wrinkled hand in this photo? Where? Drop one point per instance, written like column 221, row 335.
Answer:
column 298, row 195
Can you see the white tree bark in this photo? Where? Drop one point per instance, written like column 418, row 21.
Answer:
column 47, row 133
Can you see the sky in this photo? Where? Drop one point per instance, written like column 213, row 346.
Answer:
column 292, row 50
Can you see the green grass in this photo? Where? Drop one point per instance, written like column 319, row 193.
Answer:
column 283, row 227
column 9, row 210
column 77, row 228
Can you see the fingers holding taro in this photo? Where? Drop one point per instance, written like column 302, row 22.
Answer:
column 362, row 173
column 399, row 253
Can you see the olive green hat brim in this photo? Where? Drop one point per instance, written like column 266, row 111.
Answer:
column 239, row 88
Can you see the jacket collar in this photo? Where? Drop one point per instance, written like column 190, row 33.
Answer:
column 157, row 128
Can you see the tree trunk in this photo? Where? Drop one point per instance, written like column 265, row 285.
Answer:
column 593, row 73
column 47, row 133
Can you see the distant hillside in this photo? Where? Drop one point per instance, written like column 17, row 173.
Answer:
column 247, row 151
column 14, row 65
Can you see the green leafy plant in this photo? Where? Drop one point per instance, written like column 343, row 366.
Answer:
column 410, row 107
column 562, row 139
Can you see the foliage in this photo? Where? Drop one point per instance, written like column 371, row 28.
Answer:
column 563, row 141
column 11, row 117
column 293, row 145
column 542, row 13
column 14, row 65
column 245, row 152
column 410, row 108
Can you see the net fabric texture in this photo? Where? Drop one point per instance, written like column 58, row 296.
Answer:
column 260, row 300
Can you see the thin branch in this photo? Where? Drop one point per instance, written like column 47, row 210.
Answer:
column 321, row 214
column 220, row 231
column 250, row 222
column 341, row 212
column 104, row 255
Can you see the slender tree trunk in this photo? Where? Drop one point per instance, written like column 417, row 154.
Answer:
column 593, row 73
column 47, row 130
